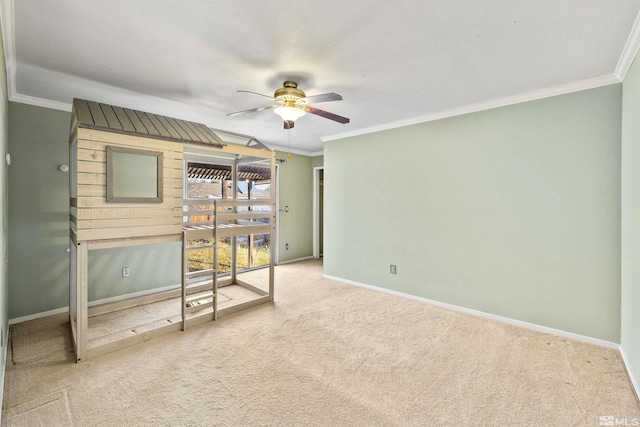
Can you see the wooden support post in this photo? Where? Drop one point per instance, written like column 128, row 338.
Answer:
column 214, row 284
column 82, row 297
column 185, row 270
column 272, row 252
column 250, row 237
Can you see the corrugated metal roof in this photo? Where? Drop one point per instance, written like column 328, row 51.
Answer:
column 100, row 116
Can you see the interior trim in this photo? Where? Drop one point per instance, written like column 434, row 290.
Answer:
column 636, row 386
column 629, row 52
column 520, row 323
column 39, row 102
column 535, row 95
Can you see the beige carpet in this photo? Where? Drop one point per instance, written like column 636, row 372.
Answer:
column 323, row 354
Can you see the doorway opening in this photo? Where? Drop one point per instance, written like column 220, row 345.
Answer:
column 318, row 209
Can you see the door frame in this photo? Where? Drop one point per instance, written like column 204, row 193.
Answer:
column 316, row 211
column 276, row 235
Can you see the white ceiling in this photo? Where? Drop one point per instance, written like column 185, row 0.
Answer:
column 394, row 62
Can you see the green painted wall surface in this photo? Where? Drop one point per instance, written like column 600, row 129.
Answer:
column 296, row 192
column 38, row 210
column 317, row 161
column 39, row 224
column 151, row 267
column 630, row 341
column 4, row 144
column 513, row 211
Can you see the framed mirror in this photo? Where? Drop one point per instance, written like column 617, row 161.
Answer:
column 133, row 176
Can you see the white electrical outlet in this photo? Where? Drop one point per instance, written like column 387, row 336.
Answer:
column 392, row 269
column 126, row 271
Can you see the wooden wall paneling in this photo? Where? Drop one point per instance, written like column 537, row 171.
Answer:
column 129, row 222
column 128, row 212
column 128, row 232
column 92, row 155
column 101, row 202
column 98, row 219
column 100, row 137
column 125, row 242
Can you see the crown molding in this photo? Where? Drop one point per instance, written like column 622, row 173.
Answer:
column 630, row 50
column 290, row 150
column 9, row 45
column 483, row 106
column 40, row 102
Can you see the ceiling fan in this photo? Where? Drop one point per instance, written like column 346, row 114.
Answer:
column 292, row 104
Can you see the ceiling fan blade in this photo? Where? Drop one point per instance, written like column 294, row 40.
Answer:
column 324, row 97
column 256, row 93
column 253, row 110
column 326, row 115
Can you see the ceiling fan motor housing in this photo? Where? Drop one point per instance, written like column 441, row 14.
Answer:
column 289, row 92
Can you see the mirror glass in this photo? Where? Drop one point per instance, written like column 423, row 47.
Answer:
column 134, row 176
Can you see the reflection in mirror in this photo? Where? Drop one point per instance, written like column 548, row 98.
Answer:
column 134, row 176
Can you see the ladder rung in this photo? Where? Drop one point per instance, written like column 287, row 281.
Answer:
column 199, row 307
column 199, row 299
column 207, row 286
column 206, row 273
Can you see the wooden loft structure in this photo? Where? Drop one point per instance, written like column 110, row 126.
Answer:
column 128, row 187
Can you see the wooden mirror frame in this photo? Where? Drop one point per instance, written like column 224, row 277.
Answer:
column 112, row 169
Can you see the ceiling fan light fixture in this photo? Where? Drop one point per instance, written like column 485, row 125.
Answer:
column 292, row 104
column 289, row 114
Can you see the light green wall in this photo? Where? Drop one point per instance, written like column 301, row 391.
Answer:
column 513, row 211
column 39, row 224
column 317, row 161
column 4, row 293
column 296, row 192
column 630, row 342
column 38, row 210
column 151, row 267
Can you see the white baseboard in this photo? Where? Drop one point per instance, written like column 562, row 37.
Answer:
column 502, row 319
column 5, row 347
column 632, row 377
column 133, row 295
column 295, row 260
column 39, row 315
column 91, row 304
